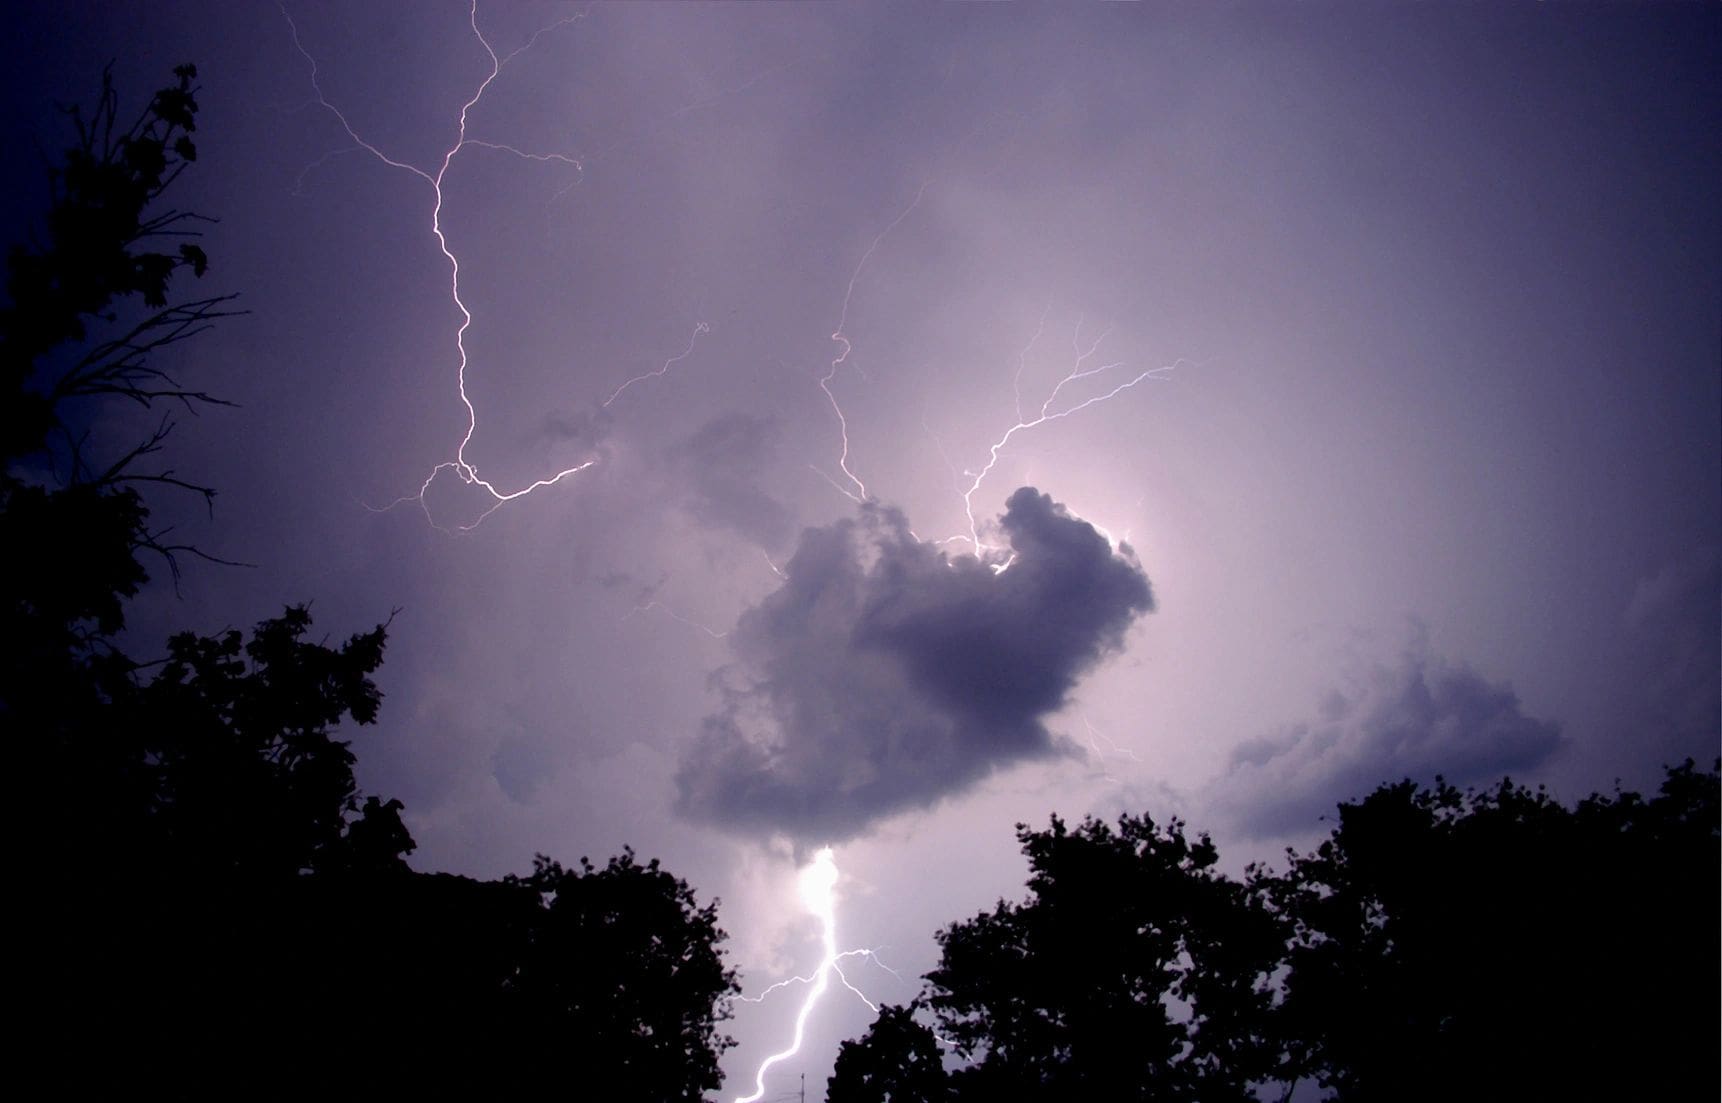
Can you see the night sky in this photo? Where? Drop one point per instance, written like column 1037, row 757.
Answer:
column 1409, row 317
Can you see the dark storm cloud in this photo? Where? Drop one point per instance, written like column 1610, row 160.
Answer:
column 884, row 674
column 1417, row 719
column 720, row 464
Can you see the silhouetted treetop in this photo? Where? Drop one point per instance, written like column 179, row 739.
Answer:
column 1133, row 971
column 623, row 969
column 1438, row 945
column 237, row 738
column 898, row 1059
column 1495, row 936
column 92, row 260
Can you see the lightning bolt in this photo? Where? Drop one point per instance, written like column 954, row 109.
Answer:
column 817, row 884
column 1049, row 411
column 870, row 954
column 459, row 465
column 699, row 328
column 660, row 607
column 818, row 880
column 844, row 347
column 1096, row 737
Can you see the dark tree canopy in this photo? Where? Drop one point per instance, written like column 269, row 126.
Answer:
column 1448, row 939
column 210, row 908
column 94, row 259
column 1133, row 971
column 621, row 973
column 897, row 1059
column 1438, row 945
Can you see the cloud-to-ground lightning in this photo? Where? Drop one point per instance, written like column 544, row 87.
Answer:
column 459, row 465
column 818, row 884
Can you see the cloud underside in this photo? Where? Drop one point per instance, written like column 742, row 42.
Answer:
column 1418, row 719
column 886, row 674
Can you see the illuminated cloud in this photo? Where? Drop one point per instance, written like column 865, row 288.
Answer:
column 885, row 674
column 1419, row 718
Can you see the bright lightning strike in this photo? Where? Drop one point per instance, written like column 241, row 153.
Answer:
column 817, row 884
column 461, row 467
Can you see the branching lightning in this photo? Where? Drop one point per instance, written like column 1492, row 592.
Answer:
column 460, row 466
column 870, row 954
column 817, row 883
column 844, row 346
column 819, row 878
column 1112, row 749
column 1049, row 411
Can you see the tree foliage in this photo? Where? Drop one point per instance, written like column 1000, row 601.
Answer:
column 621, row 972
column 72, row 333
column 96, row 256
column 897, row 1059
column 1438, row 945
column 1447, row 939
column 1133, row 971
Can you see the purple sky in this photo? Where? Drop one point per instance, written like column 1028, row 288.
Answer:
column 1431, row 484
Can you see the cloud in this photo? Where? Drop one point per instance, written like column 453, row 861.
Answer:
column 885, row 674
column 720, row 464
column 1418, row 718
column 584, row 427
column 522, row 763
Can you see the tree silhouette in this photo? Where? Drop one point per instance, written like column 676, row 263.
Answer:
column 897, row 1060
column 206, row 907
column 622, row 975
column 1447, row 940
column 92, row 264
column 1133, row 971
column 73, row 335
column 1438, row 945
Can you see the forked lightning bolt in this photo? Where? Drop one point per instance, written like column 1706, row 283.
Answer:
column 818, row 883
column 819, row 879
column 461, row 467
column 1049, row 411
column 841, row 339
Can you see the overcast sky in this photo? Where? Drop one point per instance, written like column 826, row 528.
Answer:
column 1417, row 472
